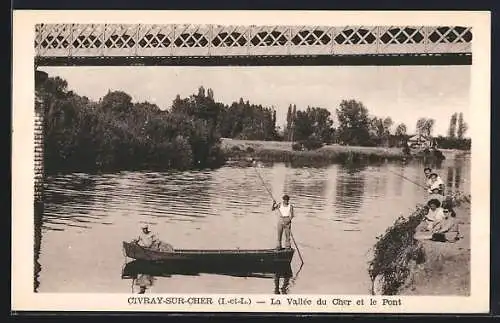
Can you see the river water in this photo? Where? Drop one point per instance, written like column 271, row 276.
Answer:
column 340, row 211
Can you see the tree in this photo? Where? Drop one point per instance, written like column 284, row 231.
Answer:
column 116, row 134
column 380, row 130
column 399, row 135
column 462, row 126
column 354, row 124
column 453, row 126
column 210, row 94
column 400, row 131
column 387, row 125
column 117, row 102
column 425, row 126
column 288, row 126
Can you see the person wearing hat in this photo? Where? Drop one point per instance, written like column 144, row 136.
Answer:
column 446, row 230
column 286, row 215
column 147, row 239
column 434, row 215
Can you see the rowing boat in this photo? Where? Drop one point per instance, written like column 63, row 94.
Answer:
column 215, row 256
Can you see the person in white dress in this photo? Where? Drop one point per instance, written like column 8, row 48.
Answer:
column 434, row 215
column 436, row 183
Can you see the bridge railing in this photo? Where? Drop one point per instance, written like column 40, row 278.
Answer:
column 87, row 40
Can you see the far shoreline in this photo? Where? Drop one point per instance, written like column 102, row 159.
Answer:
column 237, row 150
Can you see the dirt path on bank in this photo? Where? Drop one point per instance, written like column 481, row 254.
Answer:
column 446, row 270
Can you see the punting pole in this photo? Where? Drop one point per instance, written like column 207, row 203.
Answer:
column 271, row 194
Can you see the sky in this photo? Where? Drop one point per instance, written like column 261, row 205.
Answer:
column 404, row 93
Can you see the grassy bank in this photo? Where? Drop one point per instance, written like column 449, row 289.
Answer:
column 405, row 266
column 278, row 151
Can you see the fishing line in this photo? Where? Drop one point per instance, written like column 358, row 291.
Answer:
column 409, row 180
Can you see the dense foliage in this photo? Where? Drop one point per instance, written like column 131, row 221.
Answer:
column 394, row 251
column 455, row 138
column 116, row 133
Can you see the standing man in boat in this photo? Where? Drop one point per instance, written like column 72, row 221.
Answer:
column 286, row 214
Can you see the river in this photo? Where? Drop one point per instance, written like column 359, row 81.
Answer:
column 340, row 211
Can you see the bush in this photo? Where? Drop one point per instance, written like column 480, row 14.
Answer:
column 235, row 148
column 394, row 251
column 311, row 143
column 250, row 150
column 297, row 146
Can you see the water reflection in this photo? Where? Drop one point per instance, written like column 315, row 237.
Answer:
column 38, row 212
column 144, row 274
column 350, row 187
column 85, row 218
column 69, row 202
column 458, row 177
column 398, row 181
column 353, row 168
column 282, row 288
column 144, row 282
column 187, row 193
column 310, row 190
column 454, row 175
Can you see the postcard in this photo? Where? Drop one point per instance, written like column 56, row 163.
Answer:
column 251, row 161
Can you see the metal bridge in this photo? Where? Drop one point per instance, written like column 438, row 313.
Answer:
column 142, row 44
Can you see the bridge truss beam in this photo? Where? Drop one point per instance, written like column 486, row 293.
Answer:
column 139, row 44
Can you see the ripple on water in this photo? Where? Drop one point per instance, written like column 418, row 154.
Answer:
column 340, row 212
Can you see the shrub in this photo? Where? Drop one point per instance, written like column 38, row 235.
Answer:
column 297, row 146
column 394, row 251
column 311, row 143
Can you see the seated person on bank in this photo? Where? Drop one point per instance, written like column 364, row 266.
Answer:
column 148, row 239
column 446, row 229
column 434, row 214
column 435, row 195
column 435, row 182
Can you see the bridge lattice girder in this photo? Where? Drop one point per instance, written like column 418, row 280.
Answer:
column 118, row 40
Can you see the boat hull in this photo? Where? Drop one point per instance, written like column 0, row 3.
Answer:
column 211, row 257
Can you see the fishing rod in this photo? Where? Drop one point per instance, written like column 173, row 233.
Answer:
column 271, row 194
column 420, row 185
column 409, row 180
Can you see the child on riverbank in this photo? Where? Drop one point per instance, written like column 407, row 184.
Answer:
column 434, row 215
column 436, row 183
